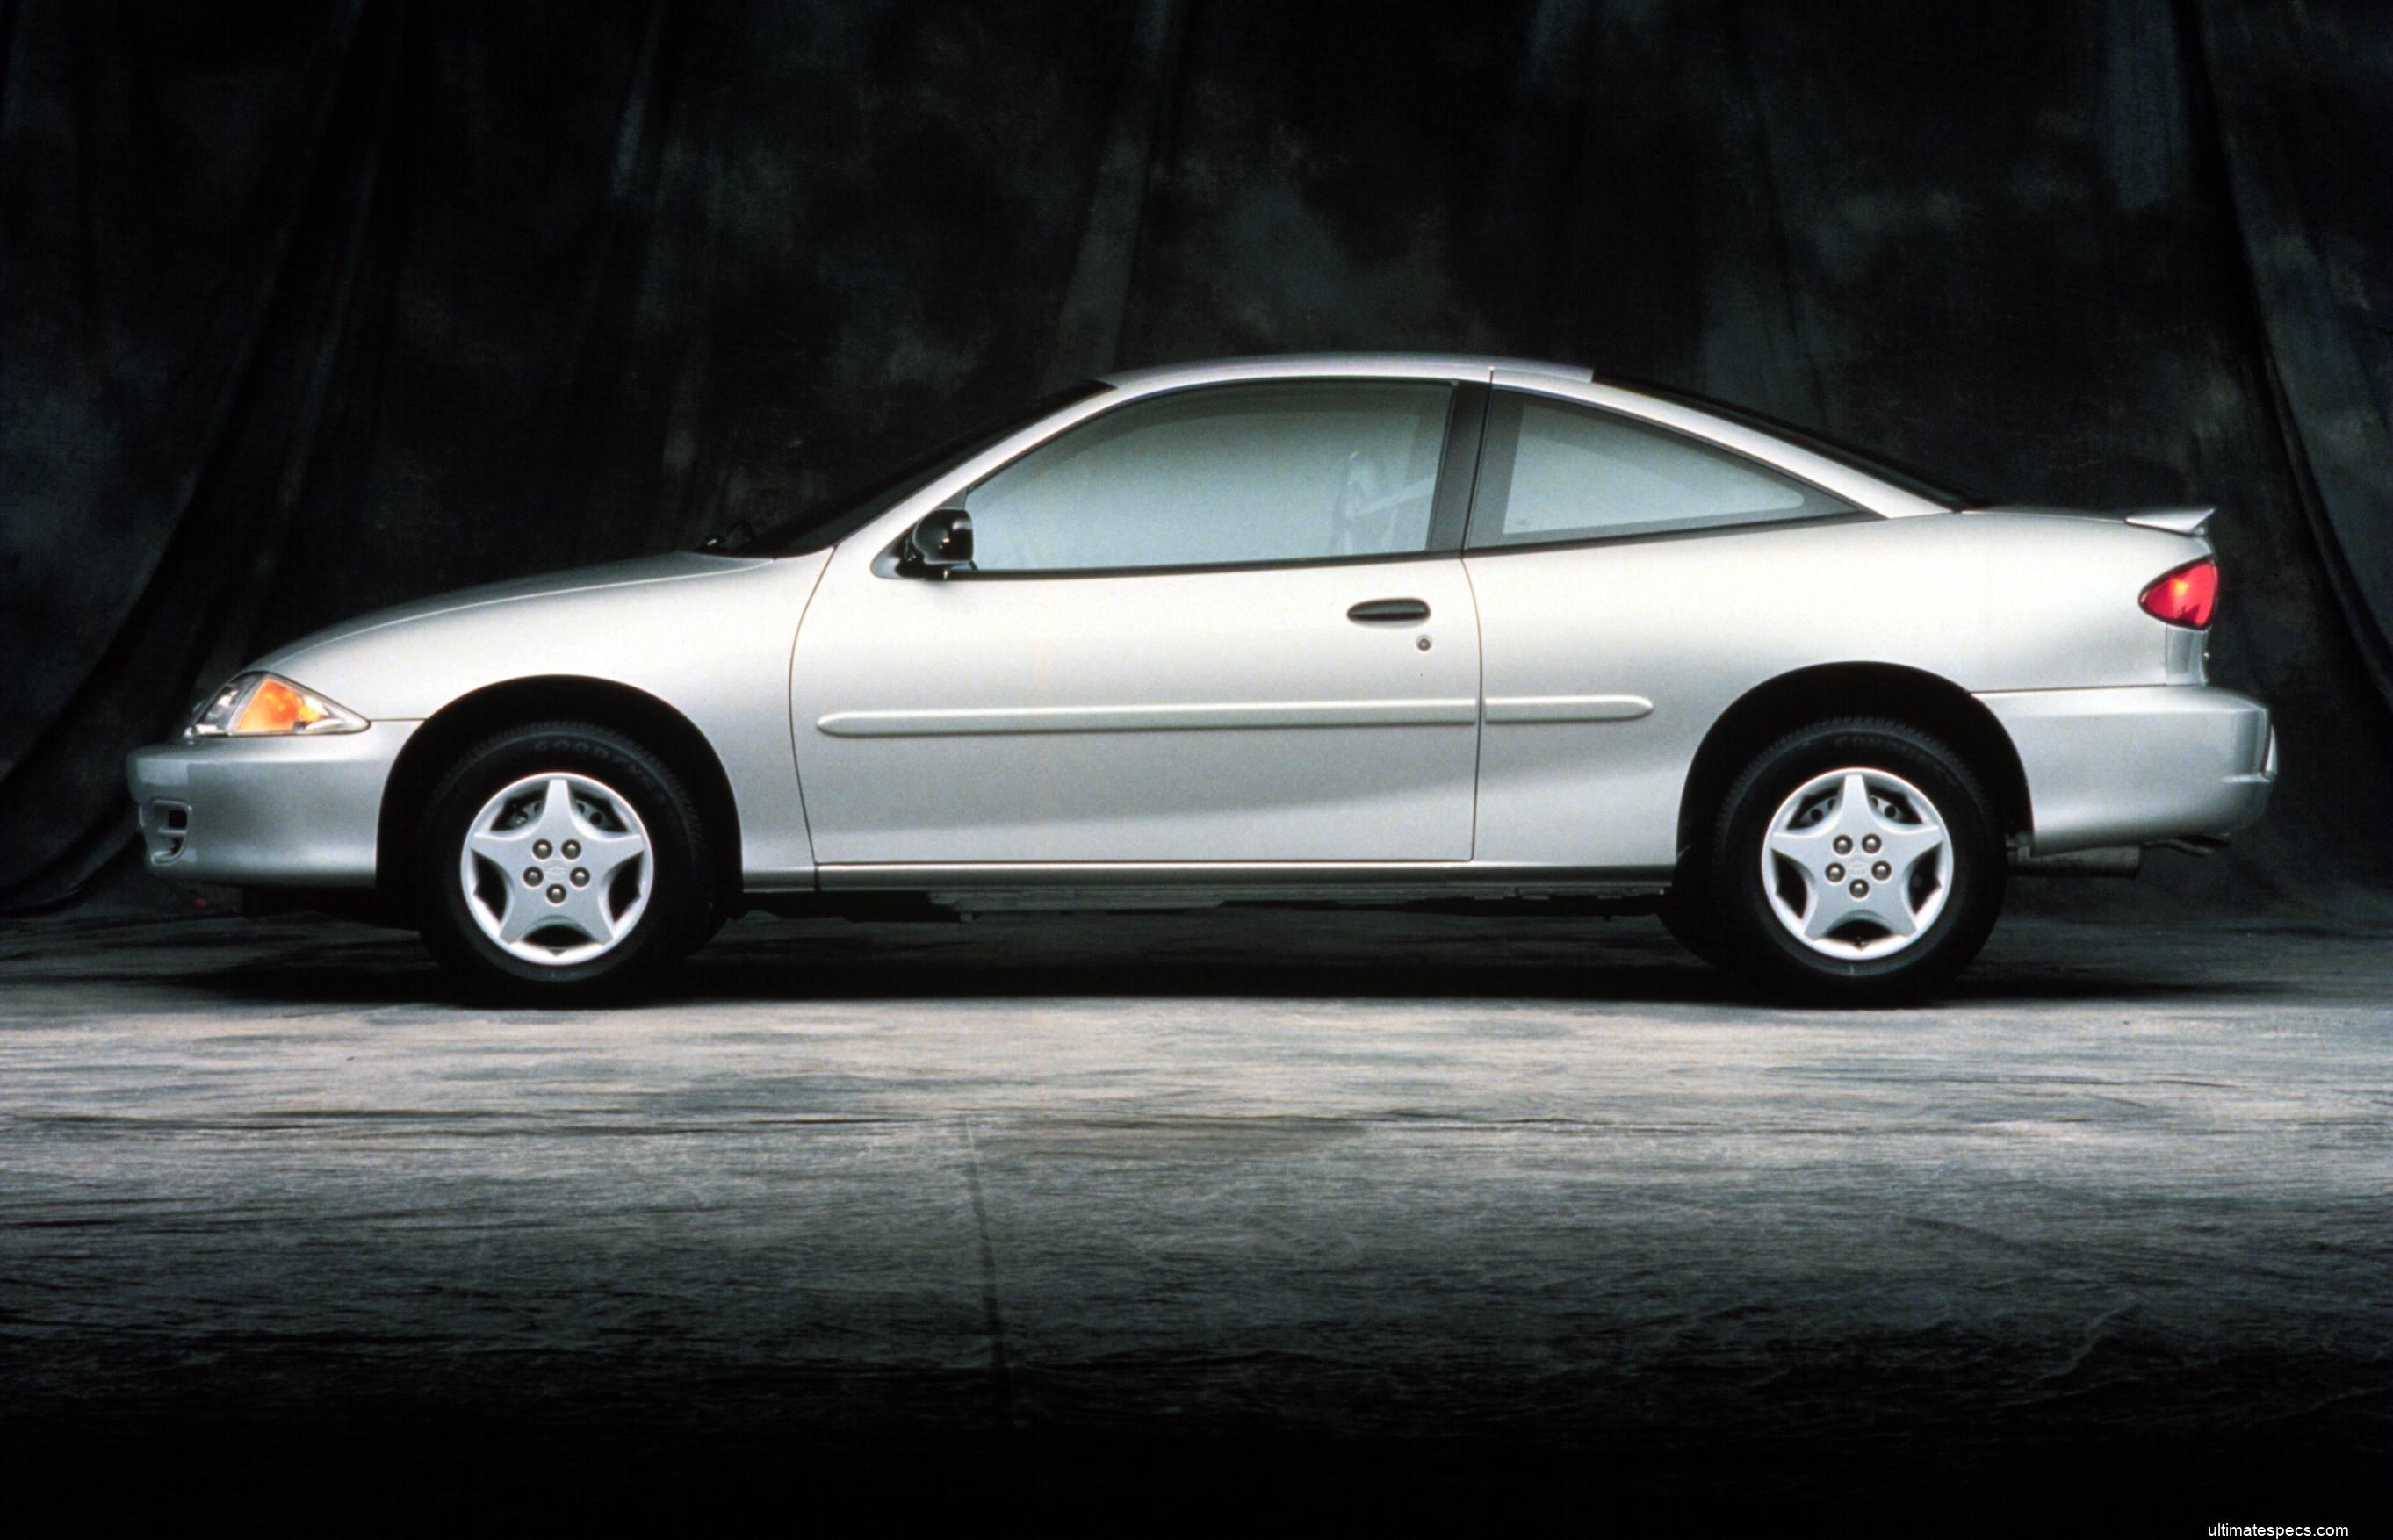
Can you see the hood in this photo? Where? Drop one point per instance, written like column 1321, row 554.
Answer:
column 672, row 567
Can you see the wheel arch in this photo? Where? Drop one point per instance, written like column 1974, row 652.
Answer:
column 474, row 716
column 1778, row 705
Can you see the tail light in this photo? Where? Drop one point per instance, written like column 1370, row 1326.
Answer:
column 2186, row 596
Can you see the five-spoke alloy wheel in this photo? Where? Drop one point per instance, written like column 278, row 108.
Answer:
column 563, row 862
column 554, row 869
column 1856, row 861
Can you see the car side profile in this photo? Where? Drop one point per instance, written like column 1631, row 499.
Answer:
column 1362, row 629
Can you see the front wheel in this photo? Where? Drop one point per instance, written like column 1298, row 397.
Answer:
column 1855, row 862
column 562, row 863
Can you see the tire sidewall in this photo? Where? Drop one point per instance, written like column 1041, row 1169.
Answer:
column 1760, row 944
column 676, row 908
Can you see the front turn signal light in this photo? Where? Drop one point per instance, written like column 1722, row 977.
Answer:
column 267, row 705
column 2186, row 596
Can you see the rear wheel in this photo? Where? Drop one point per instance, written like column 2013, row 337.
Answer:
column 562, row 863
column 1854, row 862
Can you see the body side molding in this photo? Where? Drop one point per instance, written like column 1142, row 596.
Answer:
column 1567, row 708
column 1460, row 712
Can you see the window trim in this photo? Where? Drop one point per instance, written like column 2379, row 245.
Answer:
column 1902, row 476
column 1843, row 511
column 1650, row 537
column 1458, row 454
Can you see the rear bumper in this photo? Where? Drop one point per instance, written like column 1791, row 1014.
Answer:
column 2122, row 766
column 273, row 811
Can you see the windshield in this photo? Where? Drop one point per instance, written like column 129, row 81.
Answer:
column 1894, row 471
column 829, row 520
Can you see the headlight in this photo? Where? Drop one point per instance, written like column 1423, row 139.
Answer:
column 262, row 705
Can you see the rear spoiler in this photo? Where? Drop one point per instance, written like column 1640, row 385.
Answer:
column 2177, row 521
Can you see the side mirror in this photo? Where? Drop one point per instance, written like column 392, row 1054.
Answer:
column 940, row 544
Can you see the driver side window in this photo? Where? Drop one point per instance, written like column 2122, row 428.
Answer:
column 1305, row 471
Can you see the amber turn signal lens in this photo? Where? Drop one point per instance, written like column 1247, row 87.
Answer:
column 275, row 706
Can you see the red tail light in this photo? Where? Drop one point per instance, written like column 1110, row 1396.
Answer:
column 2186, row 596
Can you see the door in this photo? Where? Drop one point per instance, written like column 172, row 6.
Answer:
column 1208, row 626
column 1630, row 578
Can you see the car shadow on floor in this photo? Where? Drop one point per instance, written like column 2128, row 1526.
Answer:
column 1302, row 956
column 1660, row 982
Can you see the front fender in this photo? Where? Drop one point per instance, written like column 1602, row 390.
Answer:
column 711, row 637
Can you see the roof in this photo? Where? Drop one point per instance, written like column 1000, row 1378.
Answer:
column 1454, row 366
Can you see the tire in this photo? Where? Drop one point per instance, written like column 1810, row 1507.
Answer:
column 1822, row 895
column 623, row 860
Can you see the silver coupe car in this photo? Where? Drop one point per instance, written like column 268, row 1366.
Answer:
column 1356, row 629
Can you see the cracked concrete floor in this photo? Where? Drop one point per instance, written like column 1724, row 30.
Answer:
column 1268, row 1210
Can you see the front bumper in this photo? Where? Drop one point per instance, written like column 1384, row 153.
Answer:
column 2136, row 763
column 273, row 811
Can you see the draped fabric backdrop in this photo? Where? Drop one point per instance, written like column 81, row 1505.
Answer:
column 309, row 308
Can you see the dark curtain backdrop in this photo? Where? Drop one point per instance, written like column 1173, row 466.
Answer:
column 310, row 308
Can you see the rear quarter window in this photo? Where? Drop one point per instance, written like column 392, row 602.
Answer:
column 1557, row 473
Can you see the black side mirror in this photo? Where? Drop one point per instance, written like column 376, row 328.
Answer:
column 940, row 544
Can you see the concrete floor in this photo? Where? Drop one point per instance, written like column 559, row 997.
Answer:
column 1256, row 1210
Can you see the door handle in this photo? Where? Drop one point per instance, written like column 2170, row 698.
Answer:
column 1388, row 611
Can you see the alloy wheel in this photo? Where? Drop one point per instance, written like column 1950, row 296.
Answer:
column 1857, row 864
column 556, row 869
